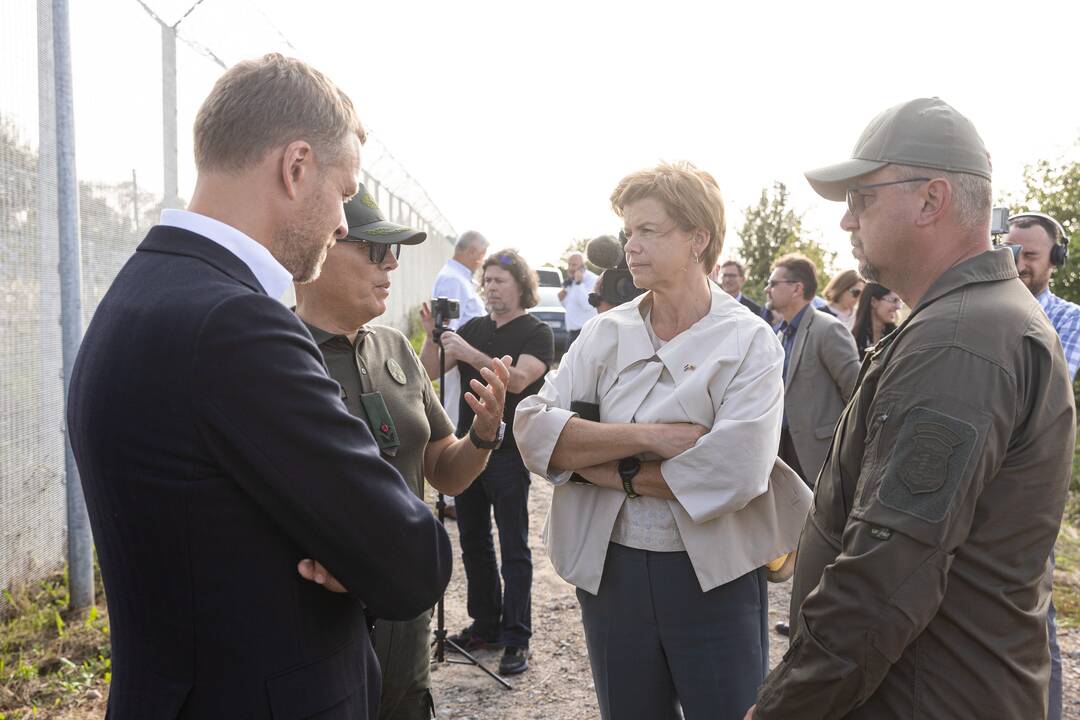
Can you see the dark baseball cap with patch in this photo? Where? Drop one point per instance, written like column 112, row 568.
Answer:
column 367, row 223
column 925, row 132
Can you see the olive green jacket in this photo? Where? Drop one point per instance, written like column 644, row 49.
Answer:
column 922, row 579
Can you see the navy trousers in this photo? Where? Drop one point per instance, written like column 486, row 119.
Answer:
column 660, row 648
column 504, row 611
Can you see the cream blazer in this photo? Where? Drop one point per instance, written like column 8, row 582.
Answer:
column 737, row 506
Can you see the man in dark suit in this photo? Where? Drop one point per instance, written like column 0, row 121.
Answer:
column 732, row 277
column 247, row 527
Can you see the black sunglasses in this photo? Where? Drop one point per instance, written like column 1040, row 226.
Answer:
column 855, row 292
column 853, row 193
column 377, row 251
column 595, row 299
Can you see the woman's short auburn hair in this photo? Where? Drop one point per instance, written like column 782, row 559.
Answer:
column 689, row 195
column 511, row 261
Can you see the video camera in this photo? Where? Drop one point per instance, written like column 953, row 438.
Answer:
column 443, row 310
column 616, row 282
column 999, row 226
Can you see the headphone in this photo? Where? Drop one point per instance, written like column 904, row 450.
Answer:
column 1060, row 252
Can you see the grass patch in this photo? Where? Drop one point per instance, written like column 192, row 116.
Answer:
column 1067, row 575
column 51, row 660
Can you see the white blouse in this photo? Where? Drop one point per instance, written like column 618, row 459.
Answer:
column 737, row 507
column 648, row 523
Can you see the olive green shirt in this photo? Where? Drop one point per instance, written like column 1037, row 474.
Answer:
column 383, row 361
column 922, row 579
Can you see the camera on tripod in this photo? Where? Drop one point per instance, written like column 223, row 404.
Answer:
column 443, row 310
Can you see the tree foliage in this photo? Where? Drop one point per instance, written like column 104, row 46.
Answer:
column 1054, row 188
column 773, row 228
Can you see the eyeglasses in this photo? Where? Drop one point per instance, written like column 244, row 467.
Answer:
column 892, row 300
column 855, row 292
column 774, row 283
column 595, row 299
column 377, row 251
column 857, row 207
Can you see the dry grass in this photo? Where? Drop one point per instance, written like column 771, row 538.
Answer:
column 52, row 662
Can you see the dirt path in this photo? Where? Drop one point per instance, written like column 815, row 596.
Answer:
column 558, row 684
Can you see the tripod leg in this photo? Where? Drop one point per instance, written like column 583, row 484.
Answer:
column 473, row 661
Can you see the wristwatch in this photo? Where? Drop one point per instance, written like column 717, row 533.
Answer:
column 628, row 469
column 487, row 444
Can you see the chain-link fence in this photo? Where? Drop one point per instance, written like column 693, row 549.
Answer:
column 129, row 165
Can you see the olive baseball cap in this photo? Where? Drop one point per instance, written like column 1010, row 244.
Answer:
column 925, row 132
column 367, row 223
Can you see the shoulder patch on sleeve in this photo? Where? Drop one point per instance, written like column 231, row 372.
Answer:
column 931, row 454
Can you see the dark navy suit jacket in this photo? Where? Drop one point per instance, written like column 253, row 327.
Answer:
column 215, row 453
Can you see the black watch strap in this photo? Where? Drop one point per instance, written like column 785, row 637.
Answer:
column 487, row 444
column 628, row 469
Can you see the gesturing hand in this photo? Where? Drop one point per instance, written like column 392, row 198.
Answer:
column 671, row 439
column 487, row 401
column 314, row 571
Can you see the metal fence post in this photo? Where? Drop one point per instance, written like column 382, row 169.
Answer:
column 168, row 115
column 79, row 540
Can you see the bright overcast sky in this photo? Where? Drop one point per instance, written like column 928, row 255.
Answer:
column 519, row 119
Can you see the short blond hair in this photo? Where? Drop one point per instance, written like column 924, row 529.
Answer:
column 689, row 195
column 269, row 102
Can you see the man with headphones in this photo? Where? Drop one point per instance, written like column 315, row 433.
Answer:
column 1044, row 246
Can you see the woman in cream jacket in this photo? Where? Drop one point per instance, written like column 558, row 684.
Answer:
column 677, row 499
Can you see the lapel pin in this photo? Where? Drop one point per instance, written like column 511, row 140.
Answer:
column 689, row 367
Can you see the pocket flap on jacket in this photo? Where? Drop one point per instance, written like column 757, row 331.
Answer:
column 315, row 687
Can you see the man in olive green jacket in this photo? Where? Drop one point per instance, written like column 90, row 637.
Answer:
column 921, row 585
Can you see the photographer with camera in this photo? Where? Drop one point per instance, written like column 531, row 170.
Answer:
column 383, row 384
column 499, row 618
column 574, row 295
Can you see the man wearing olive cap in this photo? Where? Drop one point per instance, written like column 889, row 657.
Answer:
column 921, row 585
column 384, row 385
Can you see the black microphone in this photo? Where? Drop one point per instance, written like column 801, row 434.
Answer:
column 605, row 251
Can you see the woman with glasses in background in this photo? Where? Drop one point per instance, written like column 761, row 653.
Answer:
column 879, row 309
column 842, row 293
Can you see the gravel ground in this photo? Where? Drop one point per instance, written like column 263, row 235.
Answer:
column 558, row 684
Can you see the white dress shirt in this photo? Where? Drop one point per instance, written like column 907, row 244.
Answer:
column 576, row 302
column 455, row 281
column 267, row 270
column 737, row 506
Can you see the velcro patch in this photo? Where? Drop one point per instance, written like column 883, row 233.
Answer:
column 928, row 462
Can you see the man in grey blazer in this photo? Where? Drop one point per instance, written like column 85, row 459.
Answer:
column 821, row 366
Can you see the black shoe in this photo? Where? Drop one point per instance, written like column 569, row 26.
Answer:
column 783, row 629
column 470, row 640
column 514, row 660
